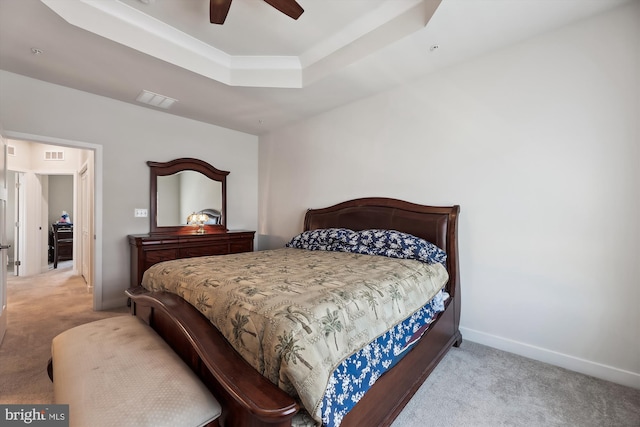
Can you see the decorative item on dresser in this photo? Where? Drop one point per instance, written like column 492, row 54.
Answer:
column 178, row 190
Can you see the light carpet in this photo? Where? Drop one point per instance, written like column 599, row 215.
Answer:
column 39, row 308
column 474, row 385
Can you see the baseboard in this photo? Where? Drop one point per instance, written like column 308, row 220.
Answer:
column 594, row 369
column 114, row 303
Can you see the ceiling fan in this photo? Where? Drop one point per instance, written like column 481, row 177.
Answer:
column 218, row 9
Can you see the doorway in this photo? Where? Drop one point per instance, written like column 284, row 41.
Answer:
column 50, row 185
column 61, row 193
column 93, row 162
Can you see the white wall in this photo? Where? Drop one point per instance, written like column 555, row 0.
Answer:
column 540, row 145
column 129, row 136
column 60, row 197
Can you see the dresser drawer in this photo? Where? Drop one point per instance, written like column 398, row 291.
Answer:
column 155, row 256
column 215, row 249
column 242, row 246
column 149, row 249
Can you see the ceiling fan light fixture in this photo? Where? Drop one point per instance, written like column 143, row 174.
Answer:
column 218, row 9
column 155, row 100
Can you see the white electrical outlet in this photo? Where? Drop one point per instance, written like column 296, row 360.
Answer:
column 140, row 213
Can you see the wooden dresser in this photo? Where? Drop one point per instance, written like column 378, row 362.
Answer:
column 150, row 249
column 61, row 240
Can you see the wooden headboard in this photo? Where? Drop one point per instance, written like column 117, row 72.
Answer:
column 436, row 224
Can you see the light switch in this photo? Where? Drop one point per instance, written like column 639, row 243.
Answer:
column 140, row 213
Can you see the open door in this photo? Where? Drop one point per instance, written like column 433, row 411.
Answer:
column 3, row 246
column 85, row 206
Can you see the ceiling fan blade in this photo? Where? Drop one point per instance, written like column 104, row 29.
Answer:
column 288, row 7
column 218, row 10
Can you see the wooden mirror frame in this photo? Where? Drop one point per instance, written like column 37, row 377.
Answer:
column 174, row 166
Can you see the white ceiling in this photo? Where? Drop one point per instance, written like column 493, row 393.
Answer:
column 261, row 69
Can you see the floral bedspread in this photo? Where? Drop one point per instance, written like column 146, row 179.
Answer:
column 295, row 315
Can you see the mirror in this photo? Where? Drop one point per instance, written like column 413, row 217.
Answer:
column 182, row 187
column 183, row 193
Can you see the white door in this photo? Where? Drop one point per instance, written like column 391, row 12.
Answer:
column 3, row 248
column 32, row 235
column 18, row 229
column 86, row 209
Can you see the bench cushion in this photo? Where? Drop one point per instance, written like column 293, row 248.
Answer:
column 120, row 372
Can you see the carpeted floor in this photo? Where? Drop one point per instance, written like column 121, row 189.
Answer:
column 474, row 385
column 39, row 308
column 479, row 386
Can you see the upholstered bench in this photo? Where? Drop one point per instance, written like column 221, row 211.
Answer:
column 119, row 372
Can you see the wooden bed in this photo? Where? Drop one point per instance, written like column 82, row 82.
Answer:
column 250, row 400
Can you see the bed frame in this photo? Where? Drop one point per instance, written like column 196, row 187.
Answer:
column 250, row 400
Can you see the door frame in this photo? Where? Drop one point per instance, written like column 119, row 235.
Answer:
column 97, row 199
column 18, row 220
column 85, row 210
column 3, row 224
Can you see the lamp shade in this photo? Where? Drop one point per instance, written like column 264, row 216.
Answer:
column 199, row 219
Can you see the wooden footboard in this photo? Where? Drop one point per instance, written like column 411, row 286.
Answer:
column 247, row 398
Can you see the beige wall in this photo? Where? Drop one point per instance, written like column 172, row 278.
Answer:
column 540, row 145
column 128, row 136
column 60, row 197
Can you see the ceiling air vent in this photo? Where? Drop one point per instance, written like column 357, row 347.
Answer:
column 155, row 99
column 54, row 155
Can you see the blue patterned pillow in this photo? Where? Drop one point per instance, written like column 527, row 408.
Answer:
column 397, row 244
column 390, row 243
column 323, row 239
